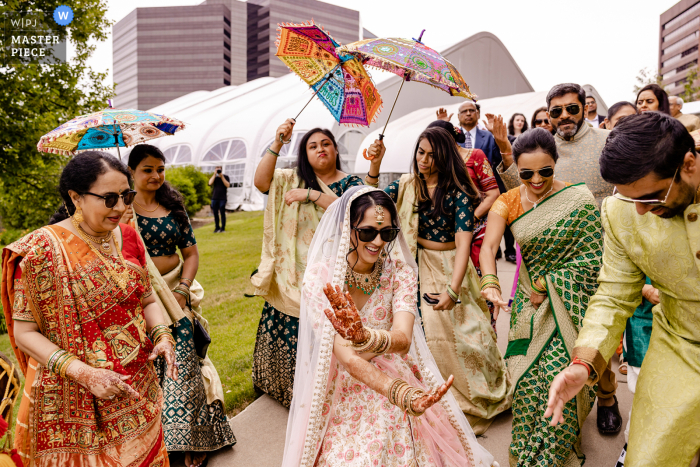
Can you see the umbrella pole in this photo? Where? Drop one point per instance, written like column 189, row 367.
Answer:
column 381, row 135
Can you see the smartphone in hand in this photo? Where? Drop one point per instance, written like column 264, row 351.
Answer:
column 434, row 301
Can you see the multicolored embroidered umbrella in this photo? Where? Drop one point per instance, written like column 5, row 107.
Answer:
column 411, row 60
column 107, row 128
column 339, row 81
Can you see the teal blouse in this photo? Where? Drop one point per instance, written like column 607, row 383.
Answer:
column 459, row 218
column 340, row 186
column 162, row 235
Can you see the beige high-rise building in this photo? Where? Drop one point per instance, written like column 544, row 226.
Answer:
column 162, row 53
column 679, row 38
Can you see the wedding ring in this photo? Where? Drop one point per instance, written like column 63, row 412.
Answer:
column 111, row 397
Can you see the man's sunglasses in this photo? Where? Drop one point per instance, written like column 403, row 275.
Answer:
column 648, row 202
column 545, row 172
column 368, row 234
column 111, row 199
column 572, row 109
column 540, row 121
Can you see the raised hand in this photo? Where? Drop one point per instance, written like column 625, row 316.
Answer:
column 441, row 114
column 488, row 123
column 165, row 349
column 344, row 316
column 105, row 384
column 433, row 397
column 375, row 153
column 285, row 130
column 128, row 216
column 565, row 386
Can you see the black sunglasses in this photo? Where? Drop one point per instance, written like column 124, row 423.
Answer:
column 367, row 234
column 527, row 174
column 111, row 199
column 573, row 109
column 540, row 121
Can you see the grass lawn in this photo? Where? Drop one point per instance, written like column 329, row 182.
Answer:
column 225, row 263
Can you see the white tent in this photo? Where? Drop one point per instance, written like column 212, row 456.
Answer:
column 232, row 126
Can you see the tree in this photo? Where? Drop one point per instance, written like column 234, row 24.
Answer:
column 690, row 91
column 37, row 98
column 646, row 76
column 193, row 185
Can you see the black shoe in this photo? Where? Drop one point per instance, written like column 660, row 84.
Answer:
column 498, row 253
column 222, row 230
column 512, row 259
column 217, row 230
column 609, row 419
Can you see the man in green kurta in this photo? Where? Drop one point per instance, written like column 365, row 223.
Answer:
column 652, row 229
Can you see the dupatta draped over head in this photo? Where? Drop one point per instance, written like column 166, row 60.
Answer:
column 316, row 365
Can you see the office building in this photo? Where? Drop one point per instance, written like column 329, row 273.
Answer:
column 162, row 53
column 679, row 37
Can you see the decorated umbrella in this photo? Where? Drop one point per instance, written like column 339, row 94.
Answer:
column 107, row 128
column 339, row 80
column 411, row 60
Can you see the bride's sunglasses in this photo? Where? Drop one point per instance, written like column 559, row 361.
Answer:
column 368, row 234
column 111, row 199
column 545, row 172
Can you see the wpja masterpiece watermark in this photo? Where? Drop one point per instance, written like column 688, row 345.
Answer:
column 35, row 37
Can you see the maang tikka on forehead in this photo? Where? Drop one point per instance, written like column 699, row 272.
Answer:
column 379, row 214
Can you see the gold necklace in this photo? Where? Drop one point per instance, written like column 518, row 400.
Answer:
column 144, row 208
column 534, row 203
column 122, row 278
column 430, row 186
column 365, row 282
column 102, row 241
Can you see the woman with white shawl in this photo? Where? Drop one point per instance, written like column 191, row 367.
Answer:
column 366, row 388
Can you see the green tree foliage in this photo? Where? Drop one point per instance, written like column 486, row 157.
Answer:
column 36, row 99
column 690, row 90
column 646, row 76
column 193, row 184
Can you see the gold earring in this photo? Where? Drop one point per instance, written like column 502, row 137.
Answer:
column 78, row 215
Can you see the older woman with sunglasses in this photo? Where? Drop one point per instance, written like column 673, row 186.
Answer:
column 436, row 206
column 558, row 228
column 85, row 325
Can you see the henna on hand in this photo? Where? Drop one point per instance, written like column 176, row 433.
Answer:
column 426, row 401
column 105, row 384
column 165, row 349
column 344, row 317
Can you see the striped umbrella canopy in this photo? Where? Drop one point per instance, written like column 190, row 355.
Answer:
column 107, row 128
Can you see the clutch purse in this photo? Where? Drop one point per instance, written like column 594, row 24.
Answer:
column 200, row 337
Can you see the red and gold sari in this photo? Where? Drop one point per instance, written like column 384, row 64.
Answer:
column 52, row 277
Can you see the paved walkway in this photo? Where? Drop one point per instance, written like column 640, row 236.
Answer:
column 261, row 427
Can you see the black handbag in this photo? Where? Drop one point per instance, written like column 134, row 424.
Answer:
column 201, row 336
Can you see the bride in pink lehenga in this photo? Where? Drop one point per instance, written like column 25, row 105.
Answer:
column 367, row 391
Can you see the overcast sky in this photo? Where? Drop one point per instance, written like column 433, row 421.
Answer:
column 600, row 42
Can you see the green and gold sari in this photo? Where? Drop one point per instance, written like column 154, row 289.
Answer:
column 561, row 242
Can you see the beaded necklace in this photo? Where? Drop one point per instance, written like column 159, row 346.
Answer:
column 365, row 282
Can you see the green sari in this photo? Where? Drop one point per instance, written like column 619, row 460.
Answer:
column 561, row 241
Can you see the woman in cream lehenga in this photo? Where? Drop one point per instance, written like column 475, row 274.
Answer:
column 436, row 206
column 297, row 198
column 366, row 389
column 194, row 419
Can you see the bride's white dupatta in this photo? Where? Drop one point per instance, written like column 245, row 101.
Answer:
column 314, row 378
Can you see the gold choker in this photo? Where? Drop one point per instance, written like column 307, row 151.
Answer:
column 365, row 282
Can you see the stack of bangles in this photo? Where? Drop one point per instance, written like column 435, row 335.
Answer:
column 374, row 184
column 453, row 295
column 160, row 332
column 272, row 152
column 403, row 396
column 537, row 289
column 490, row 281
column 379, row 341
column 308, row 193
column 59, row 361
column 183, row 288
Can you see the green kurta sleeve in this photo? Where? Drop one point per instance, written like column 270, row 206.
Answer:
column 619, row 293
column 510, row 177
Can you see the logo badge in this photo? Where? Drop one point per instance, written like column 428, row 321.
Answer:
column 63, row 15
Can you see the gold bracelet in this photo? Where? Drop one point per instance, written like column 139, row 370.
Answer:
column 367, row 344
